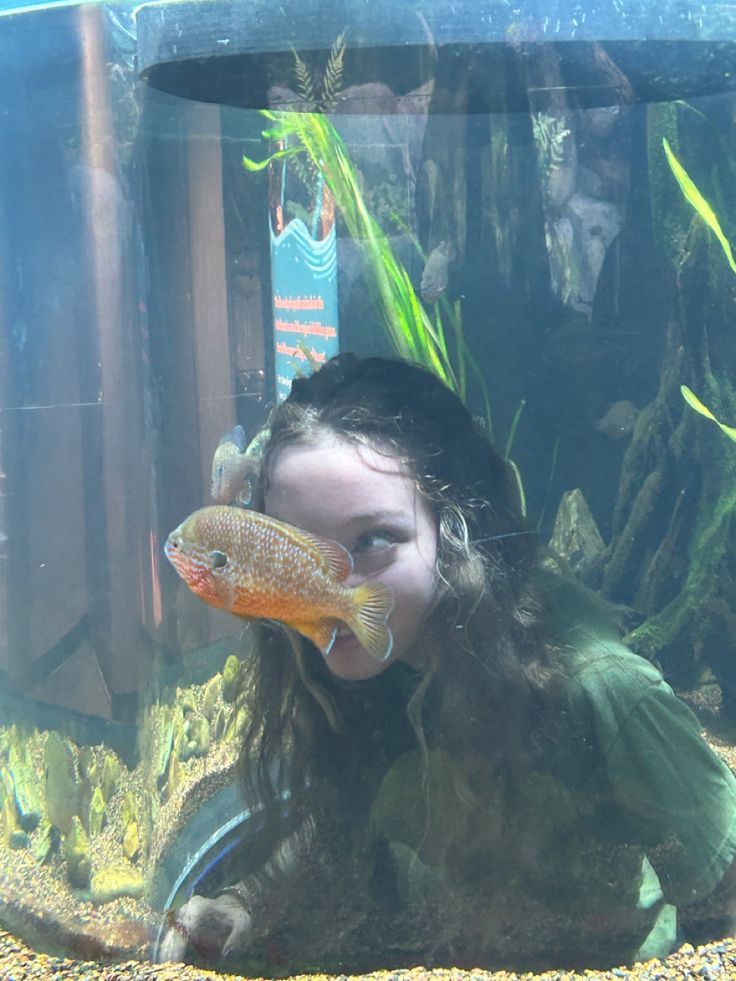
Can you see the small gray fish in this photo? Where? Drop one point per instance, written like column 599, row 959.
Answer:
column 233, row 469
column 435, row 274
column 619, row 420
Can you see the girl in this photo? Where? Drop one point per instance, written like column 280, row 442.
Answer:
column 512, row 787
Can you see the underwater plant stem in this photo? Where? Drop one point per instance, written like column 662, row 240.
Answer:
column 552, row 469
column 512, row 431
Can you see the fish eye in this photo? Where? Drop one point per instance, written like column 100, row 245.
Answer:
column 219, row 559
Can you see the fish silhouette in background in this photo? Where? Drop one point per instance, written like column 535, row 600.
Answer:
column 233, row 470
column 257, row 567
column 619, row 420
column 435, row 274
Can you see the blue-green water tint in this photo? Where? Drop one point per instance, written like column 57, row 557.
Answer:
column 136, row 329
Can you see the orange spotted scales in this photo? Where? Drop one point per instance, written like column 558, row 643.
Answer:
column 257, row 567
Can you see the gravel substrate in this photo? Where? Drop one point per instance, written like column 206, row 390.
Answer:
column 108, row 936
column 711, row 962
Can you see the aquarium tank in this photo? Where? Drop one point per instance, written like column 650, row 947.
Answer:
column 202, row 203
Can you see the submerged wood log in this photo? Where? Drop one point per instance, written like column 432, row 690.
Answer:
column 671, row 555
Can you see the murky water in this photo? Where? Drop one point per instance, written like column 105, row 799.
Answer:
column 559, row 212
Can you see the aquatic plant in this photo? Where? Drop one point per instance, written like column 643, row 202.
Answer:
column 550, row 134
column 694, row 402
column 322, row 98
column 698, row 202
column 701, row 206
column 318, row 96
column 410, row 329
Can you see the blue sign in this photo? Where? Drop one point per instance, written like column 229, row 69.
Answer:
column 304, row 287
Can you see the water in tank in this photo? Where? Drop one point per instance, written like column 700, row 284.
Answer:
column 367, row 473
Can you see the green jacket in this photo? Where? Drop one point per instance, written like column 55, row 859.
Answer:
column 582, row 861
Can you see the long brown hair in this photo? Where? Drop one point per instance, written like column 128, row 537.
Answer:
column 489, row 674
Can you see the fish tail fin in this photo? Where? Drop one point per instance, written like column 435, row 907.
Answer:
column 373, row 603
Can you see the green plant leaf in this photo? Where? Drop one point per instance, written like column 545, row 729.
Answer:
column 698, row 202
column 694, row 402
column 256, row 165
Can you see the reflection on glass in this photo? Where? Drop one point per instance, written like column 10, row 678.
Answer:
column 443, row 673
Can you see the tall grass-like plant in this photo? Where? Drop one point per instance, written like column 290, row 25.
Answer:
column 412, row 333
column 411, row 330
column 700, row 205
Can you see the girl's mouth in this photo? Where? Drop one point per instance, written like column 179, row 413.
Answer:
column 345, row 639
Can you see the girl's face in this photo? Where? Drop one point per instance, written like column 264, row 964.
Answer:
column 365, row 501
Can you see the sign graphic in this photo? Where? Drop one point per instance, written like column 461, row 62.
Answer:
column 304, row 284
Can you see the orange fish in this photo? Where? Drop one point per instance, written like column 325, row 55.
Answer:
column 261, row 568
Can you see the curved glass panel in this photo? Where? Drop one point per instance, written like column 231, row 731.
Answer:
column 444, row 673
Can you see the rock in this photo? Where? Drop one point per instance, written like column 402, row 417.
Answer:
column 235, row 724
column 131, row 841
column 115, row 881
column 19, row 840
column 185, row 701
column 163, row 745
column 25, row 783
column 85, row 800
column 129, row 811
column 46, row 842
column 173, row 778
column 230, row 674
column 8, row 813
column 76, row 853
column 211, row 696
column 110, row 775
column 197, row 736
column 218, row 730
column 180, row 739
column 97, row 812
column 575, row 536
column 61, row 785
column 86, row 760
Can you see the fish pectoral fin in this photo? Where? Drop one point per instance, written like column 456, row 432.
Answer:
column 339, row 560
column 245, row 496
column 374, row 602
column 322, row 633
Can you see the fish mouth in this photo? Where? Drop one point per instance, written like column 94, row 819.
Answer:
column 172, row 551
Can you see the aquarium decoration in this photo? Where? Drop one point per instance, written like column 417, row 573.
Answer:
column 411, row 331
column 409, row 327
column 550, row 133
column 303, row 240
column 320, row 157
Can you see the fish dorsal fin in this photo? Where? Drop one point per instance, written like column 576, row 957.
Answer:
column 235, row 436
column 339, row 560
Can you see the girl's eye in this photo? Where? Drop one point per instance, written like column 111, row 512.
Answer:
column 374, row 540
column 219, row 559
